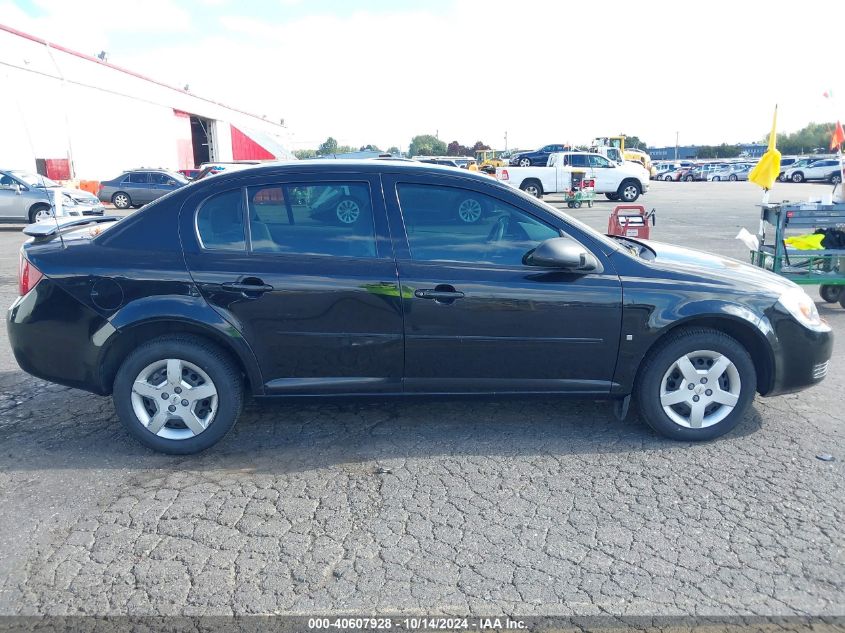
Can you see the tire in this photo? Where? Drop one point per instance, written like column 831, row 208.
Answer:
column 715, row 179
column 524, row 162
column 660, row 373
column 689, row 178
column 39, row 213
column 836, row 178
column 611, row 196
column 140, row 382
column 797, row 177
column 469, row 210
column 532, row 188
column 121, row 200
column 628, row 191
column 577, row 204
column 348, row 210
column 732, row 178
column 831, row 294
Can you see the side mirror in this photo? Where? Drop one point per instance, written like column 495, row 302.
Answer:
column 562, row 252
column 17, row 188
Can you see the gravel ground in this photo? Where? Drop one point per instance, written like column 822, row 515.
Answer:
column 528, row 507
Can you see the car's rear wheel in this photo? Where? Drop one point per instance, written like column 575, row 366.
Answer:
column 533, row 188
column 178, row 394
column 121, row 200
column 696, row 385
column 689, row 178
column 716, row 179
column 797, row 177
column 40, row 213
column 836, row 178
column 628, row 191
column 469, row 210
column 348, row 211
column 732, row 178
column 525, row 162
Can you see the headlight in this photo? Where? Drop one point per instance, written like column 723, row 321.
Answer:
column 67, row 201
column 803, row 308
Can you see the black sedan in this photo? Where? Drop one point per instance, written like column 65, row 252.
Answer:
column 231, row 287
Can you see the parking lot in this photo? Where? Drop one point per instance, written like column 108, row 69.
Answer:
column 457, row 507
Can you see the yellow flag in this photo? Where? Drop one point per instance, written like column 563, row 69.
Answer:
column 767, row 170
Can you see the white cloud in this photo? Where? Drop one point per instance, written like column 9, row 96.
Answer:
column 543, row 70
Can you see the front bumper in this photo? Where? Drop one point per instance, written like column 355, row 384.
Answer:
column 801, row 355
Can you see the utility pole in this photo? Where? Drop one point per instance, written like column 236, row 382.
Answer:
column 506, row 140
column 676, row 145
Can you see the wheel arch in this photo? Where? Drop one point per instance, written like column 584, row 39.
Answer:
column 127, row 338
column 744, row 332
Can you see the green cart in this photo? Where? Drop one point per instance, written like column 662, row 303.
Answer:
column 825, row 267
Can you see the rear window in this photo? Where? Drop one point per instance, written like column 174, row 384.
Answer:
column 220, row 222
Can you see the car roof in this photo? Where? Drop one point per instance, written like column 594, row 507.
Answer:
column 329, row 166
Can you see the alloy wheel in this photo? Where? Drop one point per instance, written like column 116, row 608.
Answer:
column 469, row 210
column 630, row 193
column 121, row 201
column 524, row 162
column 43, row 214
column 174, row 399
column 700, row 389
column 348, row 211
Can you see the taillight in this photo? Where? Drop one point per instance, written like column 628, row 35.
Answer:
column 505, row 174
column 28, row 276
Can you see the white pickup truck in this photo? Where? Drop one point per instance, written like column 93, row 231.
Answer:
column 625, row 182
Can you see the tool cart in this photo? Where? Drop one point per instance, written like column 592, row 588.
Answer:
column 825, row 267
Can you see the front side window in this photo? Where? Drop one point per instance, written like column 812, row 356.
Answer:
column 459, row 225
column 312, row 219
column 579, row 160
column 220, row 222
column 599, row 161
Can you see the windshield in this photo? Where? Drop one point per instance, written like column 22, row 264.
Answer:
column 35, row 180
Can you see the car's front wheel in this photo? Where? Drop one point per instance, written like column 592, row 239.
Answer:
column 40, row 213
column 611, row 196
column 696, row 385
column 628, row 191
column 836, row 178
column 732, row 178
column 797, row 177
column 178, row 394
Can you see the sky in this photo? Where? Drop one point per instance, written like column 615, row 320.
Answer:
column 542, row 71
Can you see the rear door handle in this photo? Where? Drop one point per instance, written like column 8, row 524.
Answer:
column 256, row 286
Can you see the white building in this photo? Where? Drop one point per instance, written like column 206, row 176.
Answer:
column 72, row 116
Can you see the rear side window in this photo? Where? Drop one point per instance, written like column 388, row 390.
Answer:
column 312, row 219
column 220, row 222
column 141, row 177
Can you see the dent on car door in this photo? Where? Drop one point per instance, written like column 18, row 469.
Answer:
column 476, row 318
column 304, row 271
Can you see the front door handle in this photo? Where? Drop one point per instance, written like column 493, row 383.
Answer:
column 441, row 292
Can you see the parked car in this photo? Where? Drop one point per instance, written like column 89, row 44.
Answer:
column 140, row 186
column 624, row 182
column 703, row 170
column 825, row 169
column 675, row 174
column 538, row 157
column 200, row 299
column 28, row 197
column 736, row 171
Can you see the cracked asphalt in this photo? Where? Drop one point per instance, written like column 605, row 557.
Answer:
column 439, row 507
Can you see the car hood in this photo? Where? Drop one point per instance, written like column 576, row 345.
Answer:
column 717, row 269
